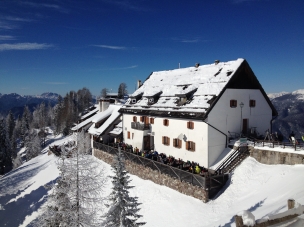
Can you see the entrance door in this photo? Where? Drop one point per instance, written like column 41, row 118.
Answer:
column 245, row 126
column 148, row 142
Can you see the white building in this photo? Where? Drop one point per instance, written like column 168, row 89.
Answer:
column 189, row 113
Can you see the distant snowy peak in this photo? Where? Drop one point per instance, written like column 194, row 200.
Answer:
column 48, row 95
column 298, row 94
column 276, row 95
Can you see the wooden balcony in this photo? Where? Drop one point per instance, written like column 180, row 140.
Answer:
column 140, row 126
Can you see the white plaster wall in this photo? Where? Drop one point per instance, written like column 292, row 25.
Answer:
column 225, row 118
column 137, row 140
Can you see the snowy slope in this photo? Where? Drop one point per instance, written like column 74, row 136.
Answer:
column 262, row 189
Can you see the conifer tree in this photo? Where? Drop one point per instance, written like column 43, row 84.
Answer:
column 5, row 152
column 123, row 210
column 33, row 145
column 10, row 124
column 77, row 195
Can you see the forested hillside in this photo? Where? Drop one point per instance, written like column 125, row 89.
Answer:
column 290, row 107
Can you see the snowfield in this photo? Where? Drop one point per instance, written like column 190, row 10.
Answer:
column 261, row 189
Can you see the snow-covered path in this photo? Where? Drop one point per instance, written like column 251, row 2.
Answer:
column 261, row 189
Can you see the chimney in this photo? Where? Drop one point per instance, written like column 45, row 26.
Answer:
column 197, row 65
column 103, row 104
column 138, row 84
column 216, row 62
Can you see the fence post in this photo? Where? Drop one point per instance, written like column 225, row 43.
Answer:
column 290, row 203
column 238, row 221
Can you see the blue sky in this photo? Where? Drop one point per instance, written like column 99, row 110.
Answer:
column 63, row 45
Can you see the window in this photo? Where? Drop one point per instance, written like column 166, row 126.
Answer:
column 252, row 103
column 166, row 122
column 151, row 120
column 233, row 103
column 141, row 119
column 177, row 143
column 166, row 140
column 134, row 119
column 190, row 125
column 128, row 135
column 190, row 146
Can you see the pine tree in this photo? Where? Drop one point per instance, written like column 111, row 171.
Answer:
column 5, row 152
column 33, row 145
column 25, row 124
column 10, row 124
column 123, row 210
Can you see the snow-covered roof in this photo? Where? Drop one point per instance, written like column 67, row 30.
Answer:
column 82, row 124
column 116, row 131
column 200, row 84
column 111, row 114
column 89, row 113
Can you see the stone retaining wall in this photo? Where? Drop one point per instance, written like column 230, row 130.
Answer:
column 147, row 173
column 275, row 157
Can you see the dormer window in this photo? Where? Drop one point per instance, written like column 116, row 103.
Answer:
column 151, row 101
column 233, row 103
column 252, row 103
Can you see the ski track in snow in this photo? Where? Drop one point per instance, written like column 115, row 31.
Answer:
column 261, row 189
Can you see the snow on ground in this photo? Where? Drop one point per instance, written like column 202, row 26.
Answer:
column 261, row 189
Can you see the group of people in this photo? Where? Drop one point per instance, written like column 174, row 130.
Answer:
column 192, row 167
column 292, row 138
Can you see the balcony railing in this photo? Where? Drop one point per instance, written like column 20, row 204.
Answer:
column 140, row 126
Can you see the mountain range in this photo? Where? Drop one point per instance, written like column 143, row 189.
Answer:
column 16, row 102
column 290, row 107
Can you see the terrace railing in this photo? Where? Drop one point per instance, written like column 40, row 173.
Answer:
column 208, row 181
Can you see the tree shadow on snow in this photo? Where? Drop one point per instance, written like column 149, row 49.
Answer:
column 14, row 213
column 11, row 180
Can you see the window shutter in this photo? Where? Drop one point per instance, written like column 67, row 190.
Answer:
column 134, row 119
column 141, row 118
column 151, row 120
column 168, row 140
column 128, row 135
column 193, row 147
column 188, row 125
column 187, row 147
column 146, row 120
column 179, row 143
column 192, row 125
column 163, row 140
